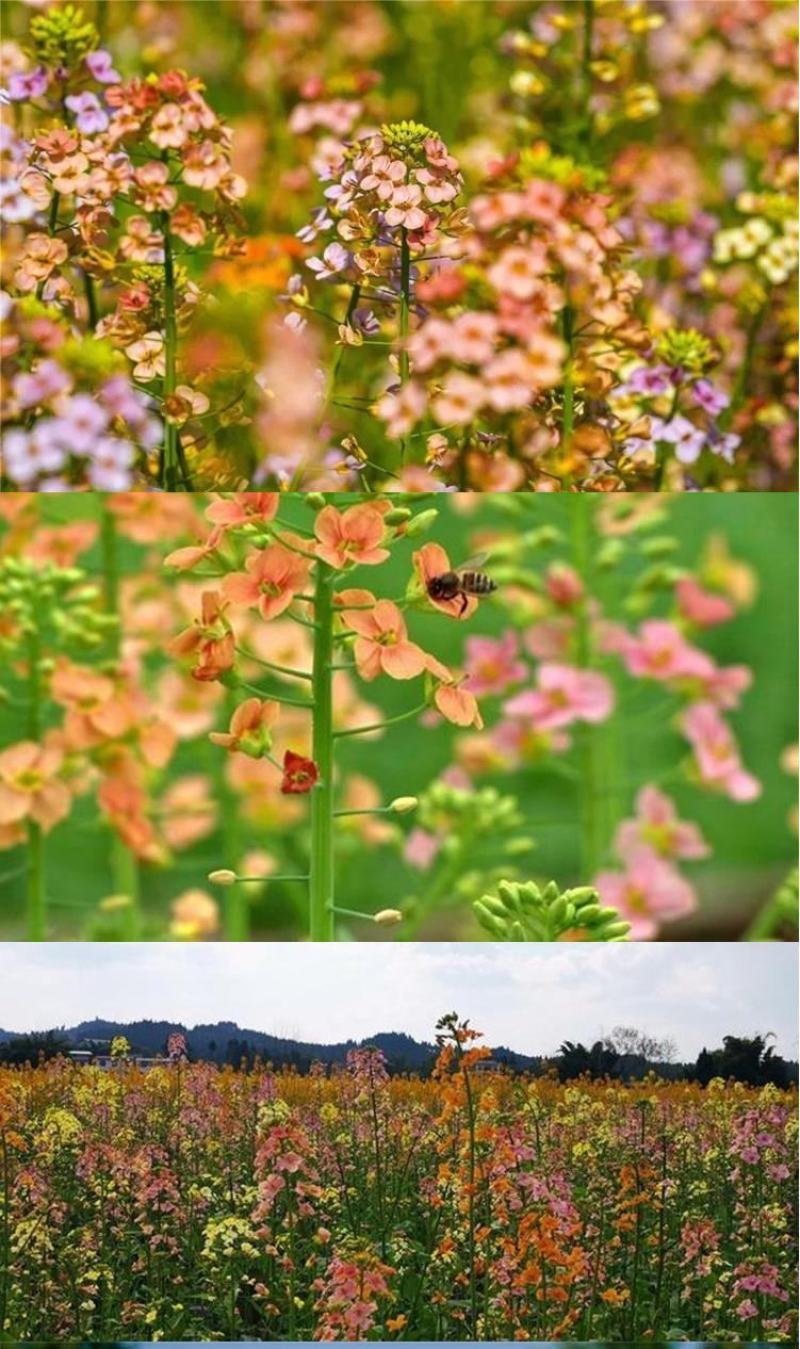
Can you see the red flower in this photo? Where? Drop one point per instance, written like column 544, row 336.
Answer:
column 299, row 774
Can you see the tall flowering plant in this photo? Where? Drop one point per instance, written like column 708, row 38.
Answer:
column 118, row 182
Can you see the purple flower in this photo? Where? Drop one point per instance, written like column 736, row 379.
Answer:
column 82, row 422
column 45, row 382
column 111, row 461
column 89, row 114
column 15, row 206
column 650, row 380
column 364, row 321
column 23, row 85
column 713, row 400
column 334, row 260
column 26, row 456
column 725, row 445
column 684, row 435
column 319, row 223
column 101, row 67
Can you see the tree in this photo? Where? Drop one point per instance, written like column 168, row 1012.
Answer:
column 34, row 1048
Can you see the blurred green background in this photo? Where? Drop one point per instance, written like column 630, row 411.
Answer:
column 753, row 844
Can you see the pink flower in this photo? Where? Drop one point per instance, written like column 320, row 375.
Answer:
column 660, row 651
column 657, row 826
column 492, row 664
column 421, row 848
column 473, row 336
column 646, row 893
column 509, row 380
column 702, row 607
column 716, row 753
column 747, row 1309
column 517, row 271
column 460, row 399
column 563, row 694
column 405, row 208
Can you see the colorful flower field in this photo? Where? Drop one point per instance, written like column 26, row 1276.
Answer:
column 188, row 1202
column 264, row 714
column 410, row 244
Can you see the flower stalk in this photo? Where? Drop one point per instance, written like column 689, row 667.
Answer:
column 321, row 873
column 37, row 902
column 168, row 477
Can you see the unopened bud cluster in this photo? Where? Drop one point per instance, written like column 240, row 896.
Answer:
column 529, row 912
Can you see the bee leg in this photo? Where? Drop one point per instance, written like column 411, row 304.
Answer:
column 464, row 603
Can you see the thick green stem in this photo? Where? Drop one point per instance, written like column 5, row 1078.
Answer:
column 405, row 311
column 587, row 126
column 235, row 902
column 37, row 912
column 91, row 300
column 590, row 789
column 52, row 223
column 123, row 862
column 170, row 456
column 321, row 872
column 568, row 387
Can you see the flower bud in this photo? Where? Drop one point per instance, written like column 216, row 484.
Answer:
column 403, row 804
column 316, row 500
column 387, row 917
column 223, row 877
column 397, row 516
column 422, row 522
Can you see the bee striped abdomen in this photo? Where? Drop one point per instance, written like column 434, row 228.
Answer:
column 477, row 583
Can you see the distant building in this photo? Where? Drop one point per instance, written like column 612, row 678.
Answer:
column 100, row 1057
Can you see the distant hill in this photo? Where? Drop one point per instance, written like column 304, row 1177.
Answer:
column 227, row 1042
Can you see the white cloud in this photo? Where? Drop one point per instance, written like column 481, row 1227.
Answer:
column 527, row 996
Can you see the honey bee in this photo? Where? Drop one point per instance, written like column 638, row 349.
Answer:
column 462, row 582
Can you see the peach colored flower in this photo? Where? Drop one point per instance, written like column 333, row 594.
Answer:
column 430, row 561
column 272, row 577
column 184, row 403
column 123, row 801
column 187, row 705
column 250, row 728
column 458, row 705
column 187, row 811
column 244, row 507
column 148, row 355
column 461, row 397
column 351, row 536
column 30, row 787
column 210, row 639
column 97, row 709
column 194, row 914
column 382, row 644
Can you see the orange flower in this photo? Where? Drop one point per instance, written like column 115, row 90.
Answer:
column 194, row 914
column 183, row 559
column 430, row 561
column 458, row 705
column 382, row 644
column 353, row 536
column 250, row 728
column 244, row 507
column 96, row 709
column 273, row 577
column 210, row 640
column 123, row 801
column 30, row 787
column 187, row 811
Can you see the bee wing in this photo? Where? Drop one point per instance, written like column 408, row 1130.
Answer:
column 473, row 563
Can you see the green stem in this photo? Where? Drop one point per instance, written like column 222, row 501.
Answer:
column 52, row 223
column 37, row 915
column 405, row 311
column 321, row 878
column 235, row 902
column 780, row 910
column 91, row 300
column 590, row 788
column 170, row 461
column 568, row 389
column 124, row 865
column 587, row 126
column 380, row 725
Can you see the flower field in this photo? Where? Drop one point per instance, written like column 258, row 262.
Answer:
column 255, row 714
column 399, row 244
column 186, row 1202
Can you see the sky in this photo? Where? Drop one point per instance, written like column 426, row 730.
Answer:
column 528, row 997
